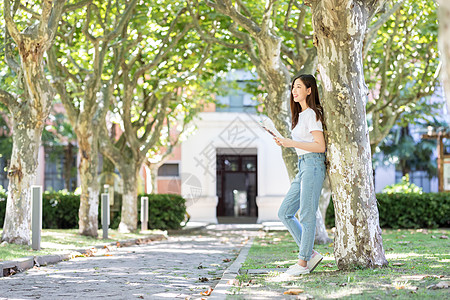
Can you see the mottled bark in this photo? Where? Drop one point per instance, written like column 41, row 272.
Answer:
column 128, row 220
column 87, row 138
column 444, row 44
column 21, row 175
column 339, row 28
column 324, row 200
column 28, row 110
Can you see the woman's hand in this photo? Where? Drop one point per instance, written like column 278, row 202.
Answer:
column 276, row 141
column 284, row 142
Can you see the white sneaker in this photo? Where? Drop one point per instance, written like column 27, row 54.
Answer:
column 296, row 270
column 316, row 258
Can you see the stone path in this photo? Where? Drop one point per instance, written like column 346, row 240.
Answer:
column 178, row 268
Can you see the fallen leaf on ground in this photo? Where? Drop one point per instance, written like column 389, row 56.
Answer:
column 329, row 265
column 207, row 293
column 108, row 254
column 203, row 279
column 404, row 242
column 343, row 284
column 118, row 244
column 433, row 237
column 108, row 247
column 226, row 260
column 293, row 292
column 200, row 266
column 444, row 237
column 398, row 264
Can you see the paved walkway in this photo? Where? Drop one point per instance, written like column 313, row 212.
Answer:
column 178, row 268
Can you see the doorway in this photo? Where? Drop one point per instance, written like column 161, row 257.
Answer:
column 237, row 188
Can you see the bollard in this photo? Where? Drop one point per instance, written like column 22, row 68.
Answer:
column 105, row 214
column 36, row 216
column 144, row 213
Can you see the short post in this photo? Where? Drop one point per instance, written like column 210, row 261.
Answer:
column 36, row 216
column 144, row 213
column 105, row 214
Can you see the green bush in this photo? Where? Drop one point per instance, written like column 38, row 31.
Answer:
column 410, row 210
column 166, row 211
column 60, row 210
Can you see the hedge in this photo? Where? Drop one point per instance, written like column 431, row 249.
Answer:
column 60, row 211
column 427, row 210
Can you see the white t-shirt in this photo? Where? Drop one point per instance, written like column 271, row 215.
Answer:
column 307, row 122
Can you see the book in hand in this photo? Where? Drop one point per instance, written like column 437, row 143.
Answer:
column 268, row 126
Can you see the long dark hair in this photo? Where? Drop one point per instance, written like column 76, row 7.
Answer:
column 312, row 100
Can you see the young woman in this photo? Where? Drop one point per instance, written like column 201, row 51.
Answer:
column 304, row 193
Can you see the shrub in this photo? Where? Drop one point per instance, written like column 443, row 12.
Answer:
column 409, row 210
column 166, row 211
column 60, row 210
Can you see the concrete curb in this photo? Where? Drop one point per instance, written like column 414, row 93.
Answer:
column 11, row 267
column 221, row 289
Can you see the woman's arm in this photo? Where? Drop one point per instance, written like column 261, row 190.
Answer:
column 317, row 146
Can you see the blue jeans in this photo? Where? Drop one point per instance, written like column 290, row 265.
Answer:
column 304, row 195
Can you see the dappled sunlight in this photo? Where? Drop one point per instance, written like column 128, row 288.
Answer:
column 345, row 292
column 403, row 255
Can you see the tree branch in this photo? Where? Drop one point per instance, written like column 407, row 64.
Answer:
column 9, row 22
column 226, row 8
column 156, row 133
column 207, row 37
column 265, row 23
column 56, row 68
column 75, row 6
column 6, row 98
column 371, row 33
column 161, row 54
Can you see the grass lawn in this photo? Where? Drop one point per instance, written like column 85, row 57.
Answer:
column 63, row 240
column 417, row 259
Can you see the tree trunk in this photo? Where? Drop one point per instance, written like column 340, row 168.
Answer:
column 21, row 175
column 325, row 197
column 154, row 177
column 339, row 31
column 88, row 168
column 444, row 44
column 128, row 221
column 321, row 231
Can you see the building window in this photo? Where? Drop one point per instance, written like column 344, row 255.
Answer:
column 237, row 100
column 60, row 174
column 169, row 169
